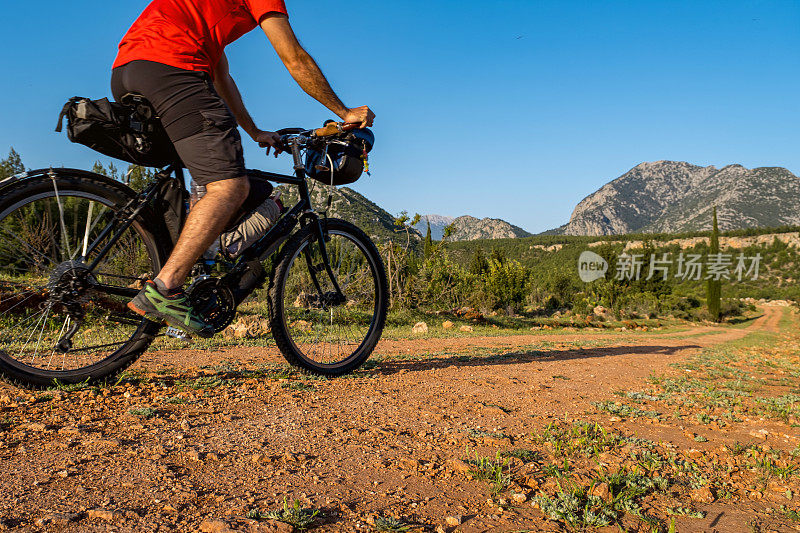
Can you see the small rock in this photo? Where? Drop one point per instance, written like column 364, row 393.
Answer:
column 407, row 463
column 101, row 514
column 601, row 491
column 694, row 454
column 453, row 520
column 531, row 481
column 241, row 331
column 447, row 324
column 420, row 327
column 216, row 526
column 270, row 526
column 519, row 497
column 760, row 434
column 702, row 495
column 467, row 329
column 457, row 465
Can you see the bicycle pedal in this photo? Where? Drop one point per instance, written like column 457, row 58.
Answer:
column 176, row 333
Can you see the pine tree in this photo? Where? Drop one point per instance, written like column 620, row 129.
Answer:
column 112, row 171
column 12, row 165
column 428, row 249
column 479, row 264
column 138, row 177
column 714, row 287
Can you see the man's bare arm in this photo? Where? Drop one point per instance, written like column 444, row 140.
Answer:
column 306, row 72
column 227, row 89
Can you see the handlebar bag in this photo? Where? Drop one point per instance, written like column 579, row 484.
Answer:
column 340, row 160
column 128, row 131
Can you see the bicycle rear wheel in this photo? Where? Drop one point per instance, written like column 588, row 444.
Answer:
column 314, row 329
column 61, row 320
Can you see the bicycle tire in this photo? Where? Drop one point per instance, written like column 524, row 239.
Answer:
column 75, row 194
column 366, row 272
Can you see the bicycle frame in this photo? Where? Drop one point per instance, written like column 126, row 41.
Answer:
column 247, row 273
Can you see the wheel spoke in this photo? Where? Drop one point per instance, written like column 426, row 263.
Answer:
column 47, row 293
column 60, row 334
column 61, row 218
column 89, row 227
column 332, row 333
column 33, row 332
column 41, row 332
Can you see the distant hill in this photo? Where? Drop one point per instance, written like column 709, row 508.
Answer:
column 469, row 228
column 673, row 196
column 354, row 207
column 379, row 224
column 437, row 222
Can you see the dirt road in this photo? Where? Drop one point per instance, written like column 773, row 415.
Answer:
column 182, row 445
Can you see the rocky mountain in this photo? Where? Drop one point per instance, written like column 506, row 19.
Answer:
column 437, row 222
column 469, row 228
column 673, row 196
column 379, row 224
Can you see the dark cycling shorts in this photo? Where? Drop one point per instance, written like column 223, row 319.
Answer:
column 197, row 120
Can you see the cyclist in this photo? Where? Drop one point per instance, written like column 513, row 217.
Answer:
column 174, row 56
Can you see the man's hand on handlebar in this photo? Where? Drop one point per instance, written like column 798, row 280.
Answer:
column 363, row 116
column 269, row 139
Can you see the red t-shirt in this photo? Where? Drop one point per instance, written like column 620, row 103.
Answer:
column 191, row 34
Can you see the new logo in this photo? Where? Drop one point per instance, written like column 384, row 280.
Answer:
column 591, row 267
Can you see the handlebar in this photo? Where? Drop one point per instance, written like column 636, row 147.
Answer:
column 293, row 140
column 294, row 136
column 335, row 127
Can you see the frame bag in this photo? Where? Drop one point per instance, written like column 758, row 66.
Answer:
column 129, row 131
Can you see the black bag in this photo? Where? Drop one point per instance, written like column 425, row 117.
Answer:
column 346, row 152
column 129, row 131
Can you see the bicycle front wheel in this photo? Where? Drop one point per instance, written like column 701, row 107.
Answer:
column 315, row 328
column 63, row 316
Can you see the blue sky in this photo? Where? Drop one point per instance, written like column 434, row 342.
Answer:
column 508, row 109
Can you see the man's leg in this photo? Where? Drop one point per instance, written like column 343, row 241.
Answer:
column 162, row 298
column 206, row 138
column 206, row 221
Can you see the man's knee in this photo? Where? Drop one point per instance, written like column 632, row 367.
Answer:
column 233, row 190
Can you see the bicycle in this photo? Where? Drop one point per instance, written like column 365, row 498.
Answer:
column 76, row 246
